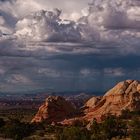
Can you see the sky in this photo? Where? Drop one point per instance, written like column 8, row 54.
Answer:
column 62, row 45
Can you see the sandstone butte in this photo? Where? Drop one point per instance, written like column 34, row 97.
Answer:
column 125, row 95
column 55, row 109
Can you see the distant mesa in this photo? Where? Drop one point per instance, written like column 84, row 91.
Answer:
column 125, row 95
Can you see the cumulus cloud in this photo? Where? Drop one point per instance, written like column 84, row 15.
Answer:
column 21, row 8
column 96, row 24
column 67, row 48
column 114, row 14
column 102, row 15
column 46, row 25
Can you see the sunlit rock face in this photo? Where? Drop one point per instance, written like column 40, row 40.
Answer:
column 54, row 109
column 91, row 103
column 125, row 95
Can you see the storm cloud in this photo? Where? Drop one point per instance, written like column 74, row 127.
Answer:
column 85, row 47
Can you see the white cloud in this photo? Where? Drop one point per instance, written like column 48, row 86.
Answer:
column 86, row 72
column 46, row 25
column 103, row 16
column 118, row 72
column 18, row 79
column 20, row 8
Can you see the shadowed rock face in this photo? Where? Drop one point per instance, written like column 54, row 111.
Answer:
column 125, row 95
column 54, row 109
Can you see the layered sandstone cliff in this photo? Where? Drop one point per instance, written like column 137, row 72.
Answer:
column 125, row 95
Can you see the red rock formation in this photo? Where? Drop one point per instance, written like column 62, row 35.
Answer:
column 125, row 95
column 91, row 103
column 54, row 109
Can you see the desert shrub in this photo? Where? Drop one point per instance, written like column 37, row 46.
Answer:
column 110, row 128
column 126, row 114
column 79, row 123
column 113, row 127
column 95, row 130
column 74, row 133
column 135, row 129
column 17, row 130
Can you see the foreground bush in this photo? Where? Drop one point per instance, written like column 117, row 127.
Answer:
column 16, row 130
column 135, row 129
column 110, row 128
column 74, row 133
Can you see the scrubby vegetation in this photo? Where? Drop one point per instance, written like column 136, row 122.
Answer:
column 126, row 126
column 22, row 114
column 15, row 129
column 112, row 128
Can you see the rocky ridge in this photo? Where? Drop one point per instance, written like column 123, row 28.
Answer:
column 125, row 95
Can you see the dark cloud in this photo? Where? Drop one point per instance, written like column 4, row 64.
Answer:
column 4, row 0
column 76, row 69
column 45, row 52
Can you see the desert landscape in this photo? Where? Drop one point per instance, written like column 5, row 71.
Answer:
column 69, row 69
column 113, row 116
